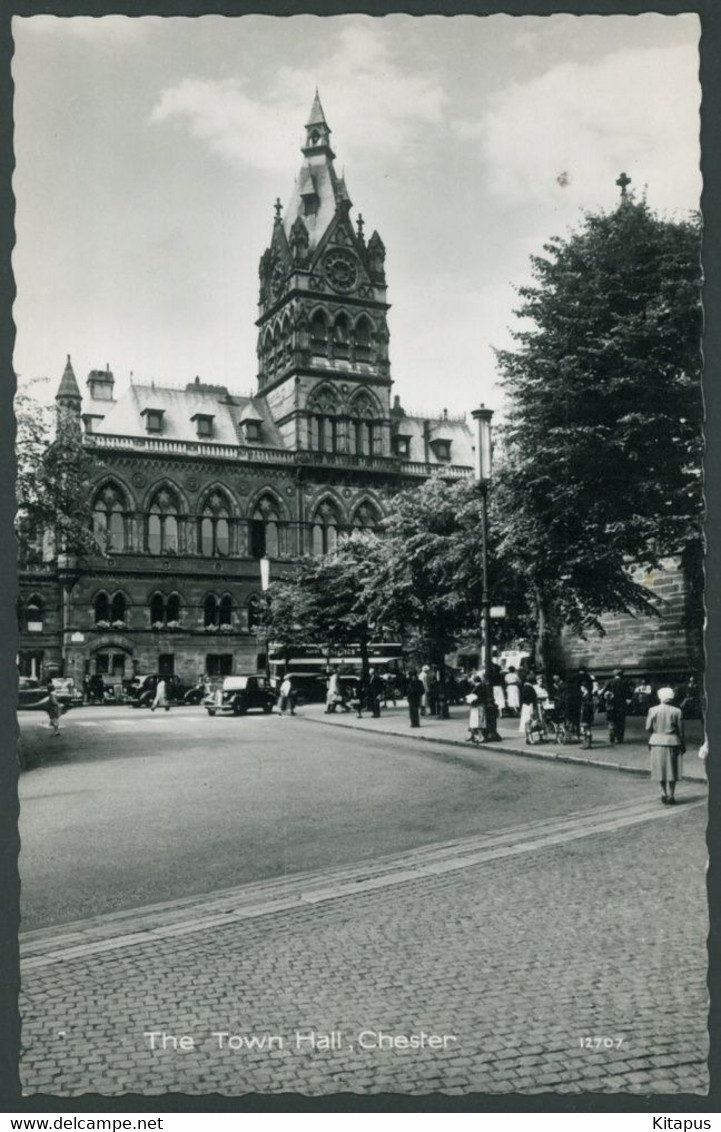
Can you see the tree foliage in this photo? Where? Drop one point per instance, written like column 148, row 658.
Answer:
column 603, row 440
column 53, row 477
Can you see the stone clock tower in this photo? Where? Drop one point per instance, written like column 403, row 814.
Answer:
column 322, row 330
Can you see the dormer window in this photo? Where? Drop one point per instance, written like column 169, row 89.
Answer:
column 442, row 449
column 91, row 421
column 402, row 445
column 153, row 419
column 252, row 431
column 203, row 424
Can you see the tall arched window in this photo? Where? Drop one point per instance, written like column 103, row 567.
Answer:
column 287, row 341
column 215, row 527
column 323, row 410
column 366, row 517
column 363, row 331
column 210, row 610
column 157, row 609
column 101, row 607
column 172, row 608
column 225, row 610
column 162, row 524
column 109, row 518
column 34, row 613
column 341, row 337
column 264, row 533
column 117, row 608
column 255, row 612
column 363, row 437
column 324, row 528
column 319, row 334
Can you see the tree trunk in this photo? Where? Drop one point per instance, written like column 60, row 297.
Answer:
column 542, row 651
column 438, row 660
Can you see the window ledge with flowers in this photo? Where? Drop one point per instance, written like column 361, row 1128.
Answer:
column 226, row 628
column 172, row 625
column 119, row 625
column 102, row 624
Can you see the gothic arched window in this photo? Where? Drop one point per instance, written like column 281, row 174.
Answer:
column 319, row 334
column 215, row 527
column 363, row 331
column 255, row 612
column 157, row 609
column 117, row 608
column 172, row 608
column 210, row 610
column 225, row 610
column 366, row 517
column 362, row 430
column 109, row 518
column 323, row 410
column 101, row 607
column 341, row 337
column 162, row 524
column 264, row 540
column 34, row 614
column 324, row 528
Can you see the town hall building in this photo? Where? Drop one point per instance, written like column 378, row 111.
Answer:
column 195, row 484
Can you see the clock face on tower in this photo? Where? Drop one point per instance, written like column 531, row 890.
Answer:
column 339, row 268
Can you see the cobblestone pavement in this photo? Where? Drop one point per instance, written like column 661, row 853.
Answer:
column 511, row 960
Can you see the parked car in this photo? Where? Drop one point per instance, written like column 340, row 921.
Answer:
column 33, row 696
column 140, row 691
column 240, row 694
column 66, row 692
column 308, row 687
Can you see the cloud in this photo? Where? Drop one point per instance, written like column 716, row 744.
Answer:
column 116, row 29
column 561, row 139
column 360, row 70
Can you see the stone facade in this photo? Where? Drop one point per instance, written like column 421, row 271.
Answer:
column 194, row 484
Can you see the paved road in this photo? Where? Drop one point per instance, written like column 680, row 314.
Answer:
column 134, row 808
column 516, row 912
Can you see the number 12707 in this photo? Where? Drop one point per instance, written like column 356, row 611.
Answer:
column 601, row 1043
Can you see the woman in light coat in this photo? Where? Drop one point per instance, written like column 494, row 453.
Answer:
column 477, row 710
column 513, row 690
column 667, row 744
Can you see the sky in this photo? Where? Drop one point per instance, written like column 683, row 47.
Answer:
column 149, row 152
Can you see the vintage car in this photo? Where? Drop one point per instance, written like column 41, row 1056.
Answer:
column 33, row 696
column 308, row 687
column 140, row 691
column 240, row 694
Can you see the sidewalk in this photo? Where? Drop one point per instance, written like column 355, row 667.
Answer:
column 631, row 756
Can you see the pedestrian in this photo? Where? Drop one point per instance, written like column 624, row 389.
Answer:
column 571, row 705
column 499, row 695
column 424, row 682
column 586, row 715
column 476, row 712
column 161, row 696
column 433, row 690
column 86, row 688
column 376, row 691
column 585, row 678
column 286, row 689
column 529, row 702
column 361, row 695
column 542, row 697
column 667, row 744
column 333, row 695
column 615, row 703
column 703, row 755
column 414, row 695
column 513, row 696
column 52, row 707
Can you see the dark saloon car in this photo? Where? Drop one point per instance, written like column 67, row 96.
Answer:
column 308, row 687
column 33, row 696
column 240, row 694
column 140, row 691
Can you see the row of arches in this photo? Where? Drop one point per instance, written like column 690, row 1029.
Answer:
column 167, row 526
column 338, row 336
column 355, row 428
column 166, row 609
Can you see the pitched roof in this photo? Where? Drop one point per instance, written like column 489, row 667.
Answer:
column 68, row 384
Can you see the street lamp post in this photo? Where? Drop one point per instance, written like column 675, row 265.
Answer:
column 264, row 583
column 483, row 417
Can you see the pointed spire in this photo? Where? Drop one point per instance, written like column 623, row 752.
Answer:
column 68, row 388
column 317, row 117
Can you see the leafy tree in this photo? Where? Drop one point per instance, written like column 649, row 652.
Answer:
column 603, row 438
column 325, row 601
column 53, row 476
